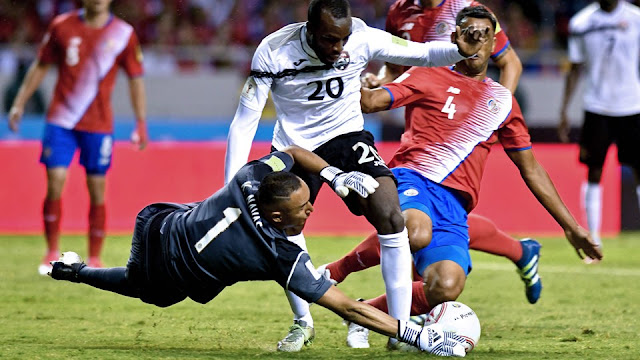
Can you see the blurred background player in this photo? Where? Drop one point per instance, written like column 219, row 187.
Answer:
column 240, row 233
column 604, row 43
column 453, row 117
column 87, row 45
column 429, row 20
column 313, row 72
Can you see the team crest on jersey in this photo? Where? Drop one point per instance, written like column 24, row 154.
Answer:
column 442, row 28
column 343, row 61
column 493, row 106
column 410, row 192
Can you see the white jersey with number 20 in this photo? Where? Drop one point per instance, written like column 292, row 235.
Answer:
column 315, row 102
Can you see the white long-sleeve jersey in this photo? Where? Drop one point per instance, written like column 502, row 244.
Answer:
column 316, row 102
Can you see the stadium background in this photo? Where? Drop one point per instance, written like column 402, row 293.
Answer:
column 197, row 54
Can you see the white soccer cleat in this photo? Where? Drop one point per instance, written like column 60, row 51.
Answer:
column 322, row 270
column 44, row 269
column 357, row 337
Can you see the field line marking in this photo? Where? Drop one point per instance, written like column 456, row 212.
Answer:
column 547, row 269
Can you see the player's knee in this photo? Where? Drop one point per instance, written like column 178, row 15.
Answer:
column 447, row 288
column 388, row 220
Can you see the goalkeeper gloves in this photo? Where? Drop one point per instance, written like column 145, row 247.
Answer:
column 432, row 339
column 342, row 182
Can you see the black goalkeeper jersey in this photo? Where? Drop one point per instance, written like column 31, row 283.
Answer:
column 223, row 240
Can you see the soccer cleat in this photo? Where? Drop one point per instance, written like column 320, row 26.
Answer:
column 67, row 267
column 299, row 334
column 358, row 336
column 528, row 269
column 324, row 271
column 397, row 345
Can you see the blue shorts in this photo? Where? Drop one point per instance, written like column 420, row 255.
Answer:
column 60, row 144
column 446, row 208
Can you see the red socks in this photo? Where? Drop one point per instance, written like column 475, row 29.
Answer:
column 419, row 304
column 363, row 256
column 97, row 215
column 485, row 236
column 51, row 210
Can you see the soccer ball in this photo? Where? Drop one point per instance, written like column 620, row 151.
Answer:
column 459, row 318
column 70, row 258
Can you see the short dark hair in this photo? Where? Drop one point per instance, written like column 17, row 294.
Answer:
column 276, row 187
column 478, row 12
column 339, row 9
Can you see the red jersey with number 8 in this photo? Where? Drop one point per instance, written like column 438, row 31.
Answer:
column 86, row 58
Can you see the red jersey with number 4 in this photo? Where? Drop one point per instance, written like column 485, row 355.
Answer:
column 451, row 122
column 409, row 20
column 86, row 58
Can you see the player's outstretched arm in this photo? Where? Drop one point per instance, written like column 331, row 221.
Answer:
column 31, row 82
column 569, row 88
column 538, row 181
column 510, row 69
column 429, row 338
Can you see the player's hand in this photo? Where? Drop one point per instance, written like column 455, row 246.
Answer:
column 470, row 39
column 15, row 115
column 563, row 127
column 342, row 182
column 370, row 81
column 434, row 340
column 139, row 136
column 581, row 240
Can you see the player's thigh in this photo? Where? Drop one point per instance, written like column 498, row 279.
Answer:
column 628, row 141
column 58, row 147
column 96, row 151
column 419, row 227
column 595, row 138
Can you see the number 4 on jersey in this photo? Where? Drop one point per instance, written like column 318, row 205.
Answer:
column 449, row 107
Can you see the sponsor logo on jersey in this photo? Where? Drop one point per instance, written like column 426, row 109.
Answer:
column 343, row 61
column 442, row 28
column 493, row 106
column 411, row 192
column 399, row 41
column 300, row 61
column 249, row 89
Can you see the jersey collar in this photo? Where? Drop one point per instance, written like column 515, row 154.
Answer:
column 305, row 45
column 82, row 18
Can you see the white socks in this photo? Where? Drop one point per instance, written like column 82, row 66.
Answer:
column 638, row 193
column 592, row 201
column 299, row 306
column 395, row 261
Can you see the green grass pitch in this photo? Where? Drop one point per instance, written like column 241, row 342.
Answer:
column 586, row 311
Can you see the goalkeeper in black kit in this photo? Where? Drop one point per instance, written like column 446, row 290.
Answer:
column 240, row 234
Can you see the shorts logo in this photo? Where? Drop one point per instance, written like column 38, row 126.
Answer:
column 442, row 28
column 411, row 192
column 343, row 61
column 493, row 106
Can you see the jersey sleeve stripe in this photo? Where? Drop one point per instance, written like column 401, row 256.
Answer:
column 498, row 53
column 518, row 149
column 293, row 269
column 392, row 98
